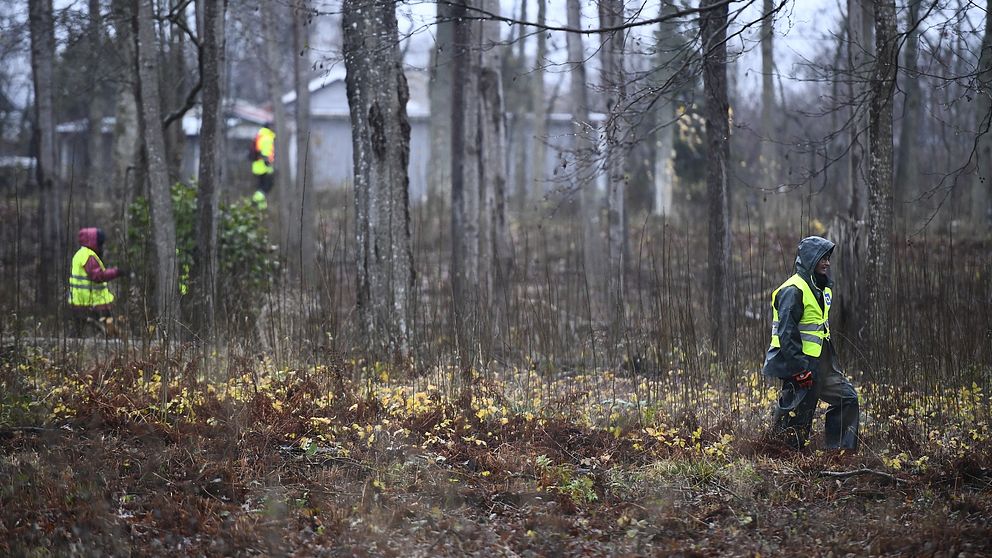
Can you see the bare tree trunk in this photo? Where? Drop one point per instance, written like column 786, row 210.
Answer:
column 177, row 80
column 768, row 154
column 519, row 145
column 204, row 273
column 439, row 181
column 585, row 156
column 879, row 275
column 714, row 34
column 271, row 14
column 163, row 226
column 521, row 121
column 615, row 89
column 859, row 51
column 907, row 171
column 465, row 157
column 377, row 97
column 472, row 152
column 458, row 102
column 851, row 267
column 42, row 24
column 95, row 185
column 494, row 243
column 464, row 189
column 982, row 208
column 126, row 141
column 301, row 220
column 540, row 137
column 670, row 45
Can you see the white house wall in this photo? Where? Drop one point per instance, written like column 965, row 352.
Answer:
column 331, row 155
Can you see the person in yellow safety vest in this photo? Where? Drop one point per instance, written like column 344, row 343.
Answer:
column 89, row 295
column 263, row 158
column 802, row 355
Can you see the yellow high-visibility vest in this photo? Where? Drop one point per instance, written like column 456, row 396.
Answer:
column 814, row 327
column 83, row 291
column 258, row 198
column 265, row 145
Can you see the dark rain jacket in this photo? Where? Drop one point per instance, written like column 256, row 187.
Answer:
column 788, row 359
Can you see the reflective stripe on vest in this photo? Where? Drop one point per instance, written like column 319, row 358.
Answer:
column 814, row 326
column 83, row 291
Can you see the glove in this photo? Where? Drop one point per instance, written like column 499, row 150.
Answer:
column 804, row 379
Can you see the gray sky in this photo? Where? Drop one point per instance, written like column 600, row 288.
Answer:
column 801, row 29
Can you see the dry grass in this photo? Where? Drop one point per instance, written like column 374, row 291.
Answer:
column 326, row 461
column 580, row 437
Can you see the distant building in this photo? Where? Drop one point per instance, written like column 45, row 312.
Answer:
column 330, row 140
column 330, row 130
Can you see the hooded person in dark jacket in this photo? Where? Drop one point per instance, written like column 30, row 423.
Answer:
column 801, row 354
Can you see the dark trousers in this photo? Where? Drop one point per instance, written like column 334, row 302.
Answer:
column 794, row 411
column 85, row 320
column 264, row 183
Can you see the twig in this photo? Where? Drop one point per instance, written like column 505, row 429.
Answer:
column 845, row 474
column 728, row 491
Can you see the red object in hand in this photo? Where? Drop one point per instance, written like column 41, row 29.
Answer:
column 804, row 379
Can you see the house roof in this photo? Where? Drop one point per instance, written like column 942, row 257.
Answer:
column 237, row 112
column 418, row 106
column 336, row 73
column 249, row 112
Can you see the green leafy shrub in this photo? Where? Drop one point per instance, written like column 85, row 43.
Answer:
column 246, row 262
column 580, row 488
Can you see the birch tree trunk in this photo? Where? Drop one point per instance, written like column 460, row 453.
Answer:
column 616, row 131
column 442, row 58
column 163, row 226
column 879, row 275
column 300, row 239
column 907, row 170
column 42, row 25
column 494, row 239
column 714, row 33
column 377, row 97
column 204, row 272
column 981, row 204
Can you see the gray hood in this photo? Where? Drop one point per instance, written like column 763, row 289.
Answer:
column 811, row 249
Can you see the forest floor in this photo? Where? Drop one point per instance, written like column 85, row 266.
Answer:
column 97, row 460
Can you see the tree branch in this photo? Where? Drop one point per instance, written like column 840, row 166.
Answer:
column 484, row 15
column 191, row 96
column 856, row 472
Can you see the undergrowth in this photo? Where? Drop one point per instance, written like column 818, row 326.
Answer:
column 132, row 456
